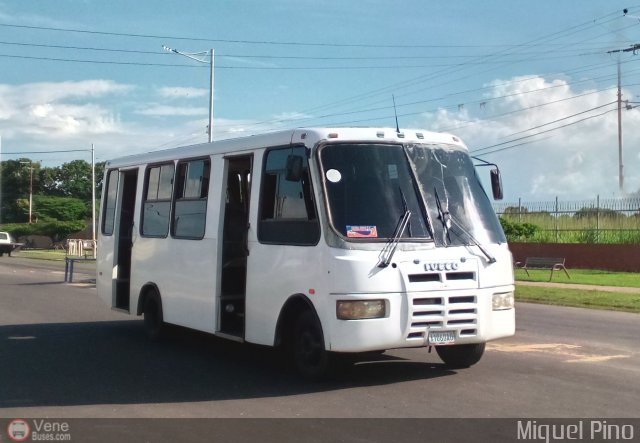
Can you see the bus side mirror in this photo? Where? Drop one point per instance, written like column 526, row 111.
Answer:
column 496, row 184
column 294, row 168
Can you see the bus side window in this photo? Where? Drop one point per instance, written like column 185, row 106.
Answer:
column 190, row 210
column 287, row 209
column 109, row 212
column 157, row 200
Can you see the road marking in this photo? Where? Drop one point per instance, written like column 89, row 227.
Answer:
column 572, row 353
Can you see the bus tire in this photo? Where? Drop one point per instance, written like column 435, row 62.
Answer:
column 310, row 357
column 154, row 325
column 461, row 356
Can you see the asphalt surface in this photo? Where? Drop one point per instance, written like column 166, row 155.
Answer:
column 63, row 353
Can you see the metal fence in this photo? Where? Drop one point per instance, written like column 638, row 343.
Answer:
column 584, row 221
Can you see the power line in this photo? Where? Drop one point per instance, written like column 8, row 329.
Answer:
column 286, row 57
column 536, row 134
column 430, row 76
column 101, row 62
column 528, row 108
column 484, row 100
column 559, row 119
column 275, row 68
column 255, row 42
column 45, row 152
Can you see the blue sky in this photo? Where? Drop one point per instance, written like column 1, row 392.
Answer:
column 528, row 85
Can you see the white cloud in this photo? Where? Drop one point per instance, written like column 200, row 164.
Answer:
column 56, row 111
column 578, row 161
column 163, row 110
column 182, row 92
column 290, row 117
column 59, row 116
column 49, row 91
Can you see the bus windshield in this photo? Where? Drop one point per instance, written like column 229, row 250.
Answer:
column 371, row 186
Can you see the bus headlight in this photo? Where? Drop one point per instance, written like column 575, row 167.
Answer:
column 502, row 301
column 360, row 309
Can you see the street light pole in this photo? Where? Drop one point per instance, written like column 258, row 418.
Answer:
column 197, row 57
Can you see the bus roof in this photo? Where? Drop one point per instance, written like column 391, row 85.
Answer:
column 308, row 136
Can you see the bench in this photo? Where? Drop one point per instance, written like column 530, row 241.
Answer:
column 69, row 263
column 553, row 263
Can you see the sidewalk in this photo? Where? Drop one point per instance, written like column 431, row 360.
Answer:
column 580, row 286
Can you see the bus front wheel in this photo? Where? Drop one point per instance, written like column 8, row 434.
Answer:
column 310, row 357
column 461, row 356
column 153, row 318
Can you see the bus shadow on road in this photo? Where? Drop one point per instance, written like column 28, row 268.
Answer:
column 62, row 364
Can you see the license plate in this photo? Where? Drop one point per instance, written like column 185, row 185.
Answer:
column 442, row 337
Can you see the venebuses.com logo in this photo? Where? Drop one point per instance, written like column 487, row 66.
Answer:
column 38, row 429
column 18, row 430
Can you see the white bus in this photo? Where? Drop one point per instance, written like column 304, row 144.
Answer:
column 324, row 241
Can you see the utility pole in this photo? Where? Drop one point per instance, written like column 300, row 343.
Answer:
column 211, row 78
column 30, row 163
column 197, row 57
column 633, row 48
column 93, row 194
column 620, row 163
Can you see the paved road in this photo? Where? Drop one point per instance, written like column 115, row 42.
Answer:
column 64, row 354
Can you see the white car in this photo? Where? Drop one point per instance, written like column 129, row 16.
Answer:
column 7, row 244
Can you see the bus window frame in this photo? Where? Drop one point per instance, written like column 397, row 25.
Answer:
column 144, row 199
column 174, row 199
column 284, row 222
column 106, row 198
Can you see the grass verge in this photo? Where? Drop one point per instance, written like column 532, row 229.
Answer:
column 42, row 254
column 583, row 276
column 594, row 299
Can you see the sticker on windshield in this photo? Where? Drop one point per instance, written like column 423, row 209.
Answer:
column 362, row 231
column 333, row 175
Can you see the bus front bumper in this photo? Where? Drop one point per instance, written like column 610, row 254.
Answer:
column 424, row 318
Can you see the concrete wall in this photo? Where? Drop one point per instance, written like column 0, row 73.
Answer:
column 584, row 256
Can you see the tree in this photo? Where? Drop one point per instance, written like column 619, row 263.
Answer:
column 49, row 181
column 518, row 231
column 75, row 179
column 14, row 183
column 61, row 196
column 60, row 208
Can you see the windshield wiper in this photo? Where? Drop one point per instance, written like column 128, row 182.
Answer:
column 444, row 216
column 390, row 248
column 447, row 220
column 405, row 208
column 414, row 182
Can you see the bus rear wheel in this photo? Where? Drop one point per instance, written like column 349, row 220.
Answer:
column 461, row 356
column 153, row 319
column 310, row 357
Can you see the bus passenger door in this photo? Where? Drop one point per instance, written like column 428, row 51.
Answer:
column 124, row 241
column 233, row 272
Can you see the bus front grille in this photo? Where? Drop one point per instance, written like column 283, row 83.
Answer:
column 452, row 312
